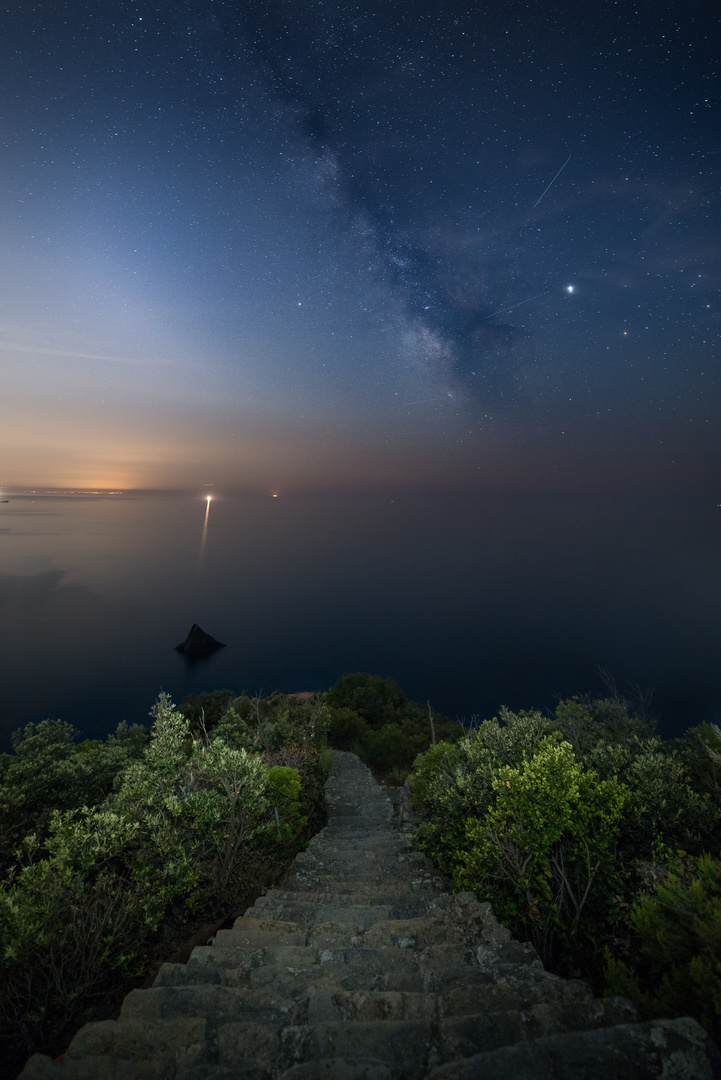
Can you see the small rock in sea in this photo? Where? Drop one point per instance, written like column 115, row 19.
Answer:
column 198, row 643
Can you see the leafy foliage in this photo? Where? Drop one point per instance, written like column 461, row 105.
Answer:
column 49, row 771
column 370, row 716
column 566, row 822
column 677, row 933
column 110, row 844
column 71, row 915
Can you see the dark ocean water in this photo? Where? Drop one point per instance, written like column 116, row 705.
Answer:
column 468, row 601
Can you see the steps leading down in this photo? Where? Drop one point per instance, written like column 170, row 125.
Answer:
column 363, row 967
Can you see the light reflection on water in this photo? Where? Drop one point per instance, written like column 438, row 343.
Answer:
column 471, row 601
column 204, row 534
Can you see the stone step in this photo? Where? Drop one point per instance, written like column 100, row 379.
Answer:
column 376, row 877
column 318, row 850
column 416, row 933
column 309, row 914
column 324, row 888
column 536, row 1019
column 365, row 869
column 320, row 886
column 404, row 1047
column 372, row 896
column 435, row 969
column 295, row 982
column 310, row 908
column 214, row 1001
column 338, row 1068
column 252, row 933
column 345, row 838
column 370, row 1005
column 652, row 1050
column 132, row 1050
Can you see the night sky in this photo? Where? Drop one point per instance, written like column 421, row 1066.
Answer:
column 312, row 245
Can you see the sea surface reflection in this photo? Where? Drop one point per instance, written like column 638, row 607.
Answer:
column 470, row 601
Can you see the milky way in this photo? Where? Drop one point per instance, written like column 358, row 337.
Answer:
column 313, row 243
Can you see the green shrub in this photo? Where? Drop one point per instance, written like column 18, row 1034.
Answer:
column 284, row 797
column 187, row 823
column 347, row 728
column 562, row 822
column 49, row 771
column 74, row 920
column 373, row 698
column 370, row 716
column 674, row 963
column 543, row 852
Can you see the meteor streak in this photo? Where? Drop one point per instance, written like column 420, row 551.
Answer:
column 527, row 301
column 552, row 181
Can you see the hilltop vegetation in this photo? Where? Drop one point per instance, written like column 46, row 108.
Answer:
column 591, row 837
column 595, row 840
column 113, row 851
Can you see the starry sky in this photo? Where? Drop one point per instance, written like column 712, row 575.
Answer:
column 281, row 245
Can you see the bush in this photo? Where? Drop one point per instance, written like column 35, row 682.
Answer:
column 370, row 716
column 673, row 966
column 374, row 699
column 564, row 822
column 186, row 820
column 48, row 771
column 74, row 921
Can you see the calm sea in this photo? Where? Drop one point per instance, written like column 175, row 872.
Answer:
column 468, row 601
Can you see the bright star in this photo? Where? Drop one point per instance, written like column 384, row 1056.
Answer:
column 569, row 288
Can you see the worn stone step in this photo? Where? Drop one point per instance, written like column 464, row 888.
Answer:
column 308, row 914
column 654, row 1050
column 129, row 1050
column 406, row 904
column 322, row 890
column 337, row 978
column 317, row 855
column 361, row 885
column 285, row 982
column 404, row 1047
column 210, row 1000
column 251, row 933
column 393, row 893
column 372, row 879
column 484, row 1030
column 344, row 838
column 466, row 989
column 366, row 1005
column 415, row 933
column 339, row 1068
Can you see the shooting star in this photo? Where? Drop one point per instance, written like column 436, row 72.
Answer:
column 505, row 309
column 552, row 181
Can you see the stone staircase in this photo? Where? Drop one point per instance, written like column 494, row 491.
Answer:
column 363, row 967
